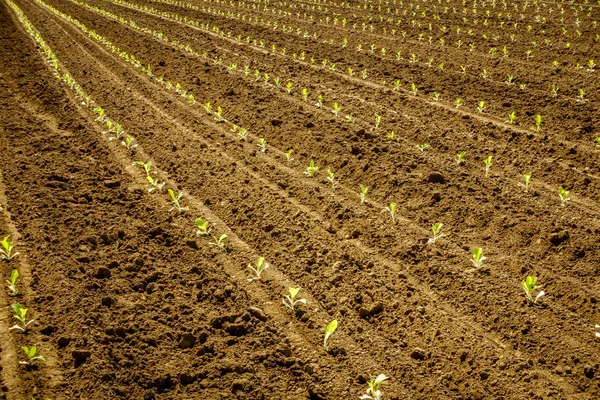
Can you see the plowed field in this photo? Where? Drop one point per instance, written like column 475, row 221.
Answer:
column 123, row 122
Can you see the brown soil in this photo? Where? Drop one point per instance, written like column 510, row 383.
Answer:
column 129, row 302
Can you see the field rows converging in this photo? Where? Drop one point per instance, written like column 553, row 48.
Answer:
column 299, row 199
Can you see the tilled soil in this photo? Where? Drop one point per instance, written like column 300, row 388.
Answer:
column 129, row 302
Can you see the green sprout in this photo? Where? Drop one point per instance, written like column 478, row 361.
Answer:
column 488, row 165
column 257, row 270
column 311, row 170
column 129, row 142
column 581, row 97
column 597, row 326
column 242, row 134
column 436, row 96
column 31, row 357
column 146, row 165
column 262, row 145
column 329, row 329
column 564, row 195
column 219, row 241
column 21, row 316
column 538, row 123
column 349, row 118
column 219, row 114
column 208, row 108
column 481, row 106
column 529, row 287
column 155, row 184
column 13, row 283
column 554, row 89
column 288, row 87
column 458, row 102
column 331, row 178
column 597, row 141
column 319, row 100
column 437, row 232
column 423, row 147
column 460, row 157
column 391, row 135
column 363, row 193
column 478, row 257
column 526, row 178
column 391, row 208
column 512, row 117
column 336, row 109
column 288, row 155
column 364, row 73
column 374, row 390
column 203, row 227
column 175, row 201
column 377, row 121
column 305, row 94
column 6, row 249
column 277, row 81
column 290, row 299
column 413, row 89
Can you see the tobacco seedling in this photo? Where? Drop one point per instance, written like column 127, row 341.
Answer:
column 478, row 257
column 311, row 170
column 21, row 316
column 413, row 89
column 391, row 135
column 329, row 329
column 511, row 118
column 564, row 195
column 374, row 390
column 288, row 155
column 526, row 178
column 554, row 89
column 488, row 165
column 458, row 102
column 219, row 241
column 305, row 94
column 423, row 147
column 155, row 184
column 460, row 157
column 436, row 96
column 288, row 87
column 242, row 134
column 208, row 108
column 331, row 179
column 392, row 210
column 538, row 123
column 580, row 98
column 146, row 165
column 598, row 328
column 481, row 106
column 597, row 141
column 219, row 114
column 203, row 227
column 262, row 145
column 437, row 232
column 31, row 357
column 290, row 300
column 175, row 200
column 319, row 100
column 13, row 283
column 129, row 142
column 363, row 193
column 377, row 121
column 6, row 249
column 336, row 109
column 258, row 269
column 529, row 287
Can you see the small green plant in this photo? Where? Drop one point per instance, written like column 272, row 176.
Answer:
column 262, row 145
column 288, row 87
column 305, row 94
column 581, row 97
column 219, row 114
column 31, row 356
column 175, row 201
column 458, row 102
column 258, row 269
column 290, row 300
column 481, row 106
column 336, row 109
column 460, row 157
column 146, row 165
column 512, row 117
column 6, row 249
column 554, row 90
column 13, row 282
column 423, row 147
column 391, row 208
column 413, row 89
column 598, row 328
column 374, row 390
column 488, row 165
column 219, row 241
column 437, row 232
column 529, row 286
column 129, row 142
column 527, row 179
column 21, row 316
column 377, row 121
column 363, row 193
column 538, row 123
column 311, row 170
column 329, row 329
column 564, row 195
column 436, row 96
column 155, row 184
column 208, row 108
column 391, row 135
column 242, row 134
column 203, row 227
column 478, row 257
column 288, row 155
column 331, row 179
column 597, row 141
column 319, row 100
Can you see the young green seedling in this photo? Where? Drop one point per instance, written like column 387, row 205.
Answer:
column 21, row 316
column 6, row 249
column 319, row 100
column 336, row 109
column 175, row 201
column 597, row 141
column 146, row 165
column 529, row 286
column 363, row 193
column 597, row 328
column 219, row 115
column 413, row 89
column 208, row 108
column 288, row 87
column 392, row 210
column 423, row 147
column 329, row 329
column 258, row 269
column 129, row 142
column 290, row 299
column 564, row 195
column 288, row 155
column 331, row 179
column 581, row 97
column 512, row 117
column 481, row 106
column 203, row 227
column 31, row 357
column 311, row 170
column 436, row 96
column 377, row 121
column 527, row 179
column 538, row 123
column 155, row 184
column 478, row 257
column 460, row 157
column 242, row 134
column 262, row 145
column 13, row 283
column 488, row 165
column 391, row 135
column 437, row 232
column 374, row 390
column 219, row 241
column 458, row 102
column 305, row 94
